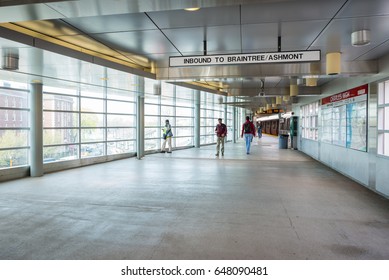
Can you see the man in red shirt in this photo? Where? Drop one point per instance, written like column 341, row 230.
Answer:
column 221, row 132
column 248, row 129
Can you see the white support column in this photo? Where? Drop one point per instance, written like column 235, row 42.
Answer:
column 140, row 119
column 225, row 120
column 36, row 133
column 234, row 122
column 197, row 100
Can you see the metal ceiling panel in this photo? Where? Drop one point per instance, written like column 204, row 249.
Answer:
column 378, row 51
column 112, row 23
column 54, row 27
column 204, row 17
column 259, row 37
column 27, row 12
column 299, row 35
column 219, row 38
column 281, row 11
column 358, row 8
column 138, row 42
column 22, row 2
column 337, row 36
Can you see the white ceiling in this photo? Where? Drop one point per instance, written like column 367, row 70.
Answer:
column 146, row 33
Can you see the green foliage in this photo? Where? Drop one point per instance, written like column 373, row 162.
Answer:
column 10, row 139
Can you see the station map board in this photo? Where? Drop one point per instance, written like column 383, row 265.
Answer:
column 344, row 118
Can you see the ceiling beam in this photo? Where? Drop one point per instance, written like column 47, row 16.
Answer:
column 369, row 67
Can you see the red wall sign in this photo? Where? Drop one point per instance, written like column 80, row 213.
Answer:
column 354, row 92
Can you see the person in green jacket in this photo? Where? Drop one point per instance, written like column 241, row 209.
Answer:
column 167, row 137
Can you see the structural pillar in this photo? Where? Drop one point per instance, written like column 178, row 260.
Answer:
column 197, row 99
column 140, row 119
column 234, row 122
column 36, row 133
column 225, row 114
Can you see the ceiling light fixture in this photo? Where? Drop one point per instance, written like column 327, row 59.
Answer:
column 10, row 61
column 311, row 81
column 360, row 38
column 192, row 9
column 294, row 90
column 333, row 63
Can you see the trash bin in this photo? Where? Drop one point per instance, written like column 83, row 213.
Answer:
column 283, row 141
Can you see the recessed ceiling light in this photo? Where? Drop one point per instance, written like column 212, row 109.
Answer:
column 192, row 9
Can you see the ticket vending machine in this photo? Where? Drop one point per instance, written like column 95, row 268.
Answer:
column 293, row 132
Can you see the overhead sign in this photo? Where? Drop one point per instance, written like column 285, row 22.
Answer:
column 272, row 111
column 349, row 96
column 249, row 58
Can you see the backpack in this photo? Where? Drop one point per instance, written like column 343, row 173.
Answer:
column 247, row 128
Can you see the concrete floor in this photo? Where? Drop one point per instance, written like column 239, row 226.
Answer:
column 191, row 205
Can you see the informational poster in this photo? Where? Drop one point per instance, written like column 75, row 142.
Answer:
column 344, row 118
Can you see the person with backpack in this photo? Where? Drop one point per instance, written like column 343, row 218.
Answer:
column 221, row 133
column 248, row 129
column 167, row 137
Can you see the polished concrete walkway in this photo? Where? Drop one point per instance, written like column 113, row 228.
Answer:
column 271, row 204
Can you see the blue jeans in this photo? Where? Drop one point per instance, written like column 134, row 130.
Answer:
column 248, row 137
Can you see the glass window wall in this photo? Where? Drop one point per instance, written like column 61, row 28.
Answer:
column 383, row 119
column 14, row 124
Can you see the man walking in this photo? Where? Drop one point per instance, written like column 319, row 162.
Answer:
column 221, row 132
column 248, row 129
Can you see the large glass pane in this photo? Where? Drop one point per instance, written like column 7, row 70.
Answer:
column 14, row 98
column 92, row 120
column 92, row 105
column 152, row 132
column 385, row 93
column 167, row 111
column 120, row 107
column 167, row 101
column 184, row 112
column 60, row 119
column 120, row 147
column 149, row 85
column 121, row 95
column 67, row 90
column 57, row 153
column 120, row 120
column 184, row 131
column 152, row 144
column 184, row 93
column 92, row 135
column 386, row 144
column 120, row 133
column 184, row 121
column 167, row 94
column 60, row 136
column 381, row 141
column 92, row 150
column 14, row 118
column 152, row 121
column 13, row 158
column 184, row 141
column 92, row 91
column 151, row 109
column 60, row 102
column 381, row 118
column 211, row 122
column 13, row 138
column 386, row 120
